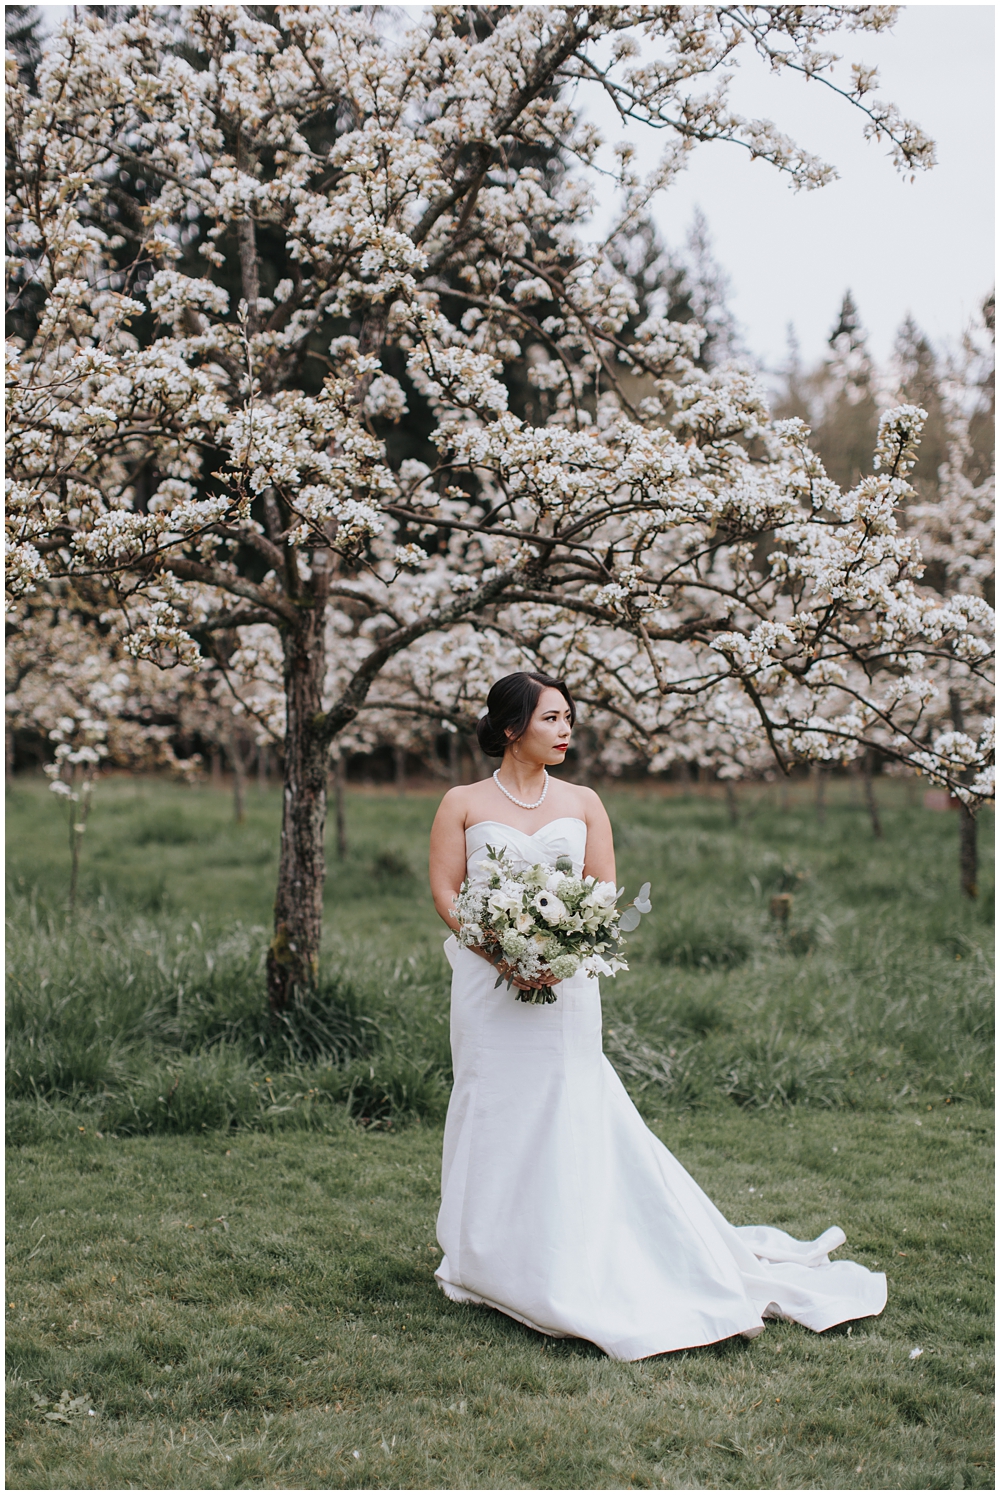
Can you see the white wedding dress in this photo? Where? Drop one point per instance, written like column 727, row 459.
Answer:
column 559, row 1206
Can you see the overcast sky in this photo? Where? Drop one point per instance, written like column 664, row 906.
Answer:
column 924, row 248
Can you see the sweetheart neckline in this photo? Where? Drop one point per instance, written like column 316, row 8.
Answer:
column 529, row 834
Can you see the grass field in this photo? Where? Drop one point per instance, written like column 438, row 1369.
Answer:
column 213, row 1252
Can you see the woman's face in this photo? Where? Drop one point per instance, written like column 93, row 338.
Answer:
column 546, row 737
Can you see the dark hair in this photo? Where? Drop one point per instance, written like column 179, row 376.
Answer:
column 510, row 706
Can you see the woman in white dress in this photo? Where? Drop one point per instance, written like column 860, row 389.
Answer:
column 559, row 1206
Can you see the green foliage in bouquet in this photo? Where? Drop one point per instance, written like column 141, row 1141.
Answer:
column 541, row 922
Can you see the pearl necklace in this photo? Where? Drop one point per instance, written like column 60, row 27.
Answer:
column 523, row 805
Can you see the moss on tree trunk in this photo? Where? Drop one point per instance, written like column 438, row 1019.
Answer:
column 293, row 956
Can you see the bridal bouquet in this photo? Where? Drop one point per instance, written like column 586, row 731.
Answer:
column 546, row 921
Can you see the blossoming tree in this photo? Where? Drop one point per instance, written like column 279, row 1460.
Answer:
column 957, row 532
column 61, row 666
column 243, row 250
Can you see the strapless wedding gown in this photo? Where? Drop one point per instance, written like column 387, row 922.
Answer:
column 559, row 1206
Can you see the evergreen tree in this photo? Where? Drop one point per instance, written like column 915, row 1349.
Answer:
column 982, row 425
column 658, row 279
column 682, row 286
column 22, row 26
column 793, row 399
column 917, row 383
column 847, row 428
column 709, row 295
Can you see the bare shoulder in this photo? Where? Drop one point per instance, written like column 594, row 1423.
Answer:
column 454, row 802
column 593, row 802
column 459, row 804
column 585, row 802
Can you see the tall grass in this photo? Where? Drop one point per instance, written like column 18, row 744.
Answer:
column 146, row 1025
column 138, row 1017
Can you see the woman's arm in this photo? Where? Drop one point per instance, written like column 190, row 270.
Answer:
column 447, row 859
column 600, row 855
column 448, row 865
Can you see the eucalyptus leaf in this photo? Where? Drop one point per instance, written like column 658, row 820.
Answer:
column 644, row 892
column 630, row 919
column 643, row 905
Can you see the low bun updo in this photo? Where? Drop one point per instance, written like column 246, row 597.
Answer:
column 510, row 706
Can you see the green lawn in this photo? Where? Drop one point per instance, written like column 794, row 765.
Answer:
column 236, row 1276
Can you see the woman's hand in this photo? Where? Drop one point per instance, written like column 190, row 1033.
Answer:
column 535, row 985
column 507, row 971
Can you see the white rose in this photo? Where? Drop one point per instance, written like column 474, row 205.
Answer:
column 504, row 900
column 602, row 895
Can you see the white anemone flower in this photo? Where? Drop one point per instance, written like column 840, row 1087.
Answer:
column 551, row 908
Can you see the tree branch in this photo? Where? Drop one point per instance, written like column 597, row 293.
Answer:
column 238, row 586
column 353, row 696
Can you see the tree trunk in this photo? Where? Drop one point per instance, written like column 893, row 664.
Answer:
column 968, row 854
column 239, row 780
column 239, row 793
column 870, row 799
column 340, row 822
column 262, row 767
column 819, row 777
column 477, row 762
column 968, row 842
column 79, row 809
column 732, row 803
column 293, row 956
column 585, row 756
column 399, row 758
column 74, row 853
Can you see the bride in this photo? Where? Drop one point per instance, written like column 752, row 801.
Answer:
column 559, row 1207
